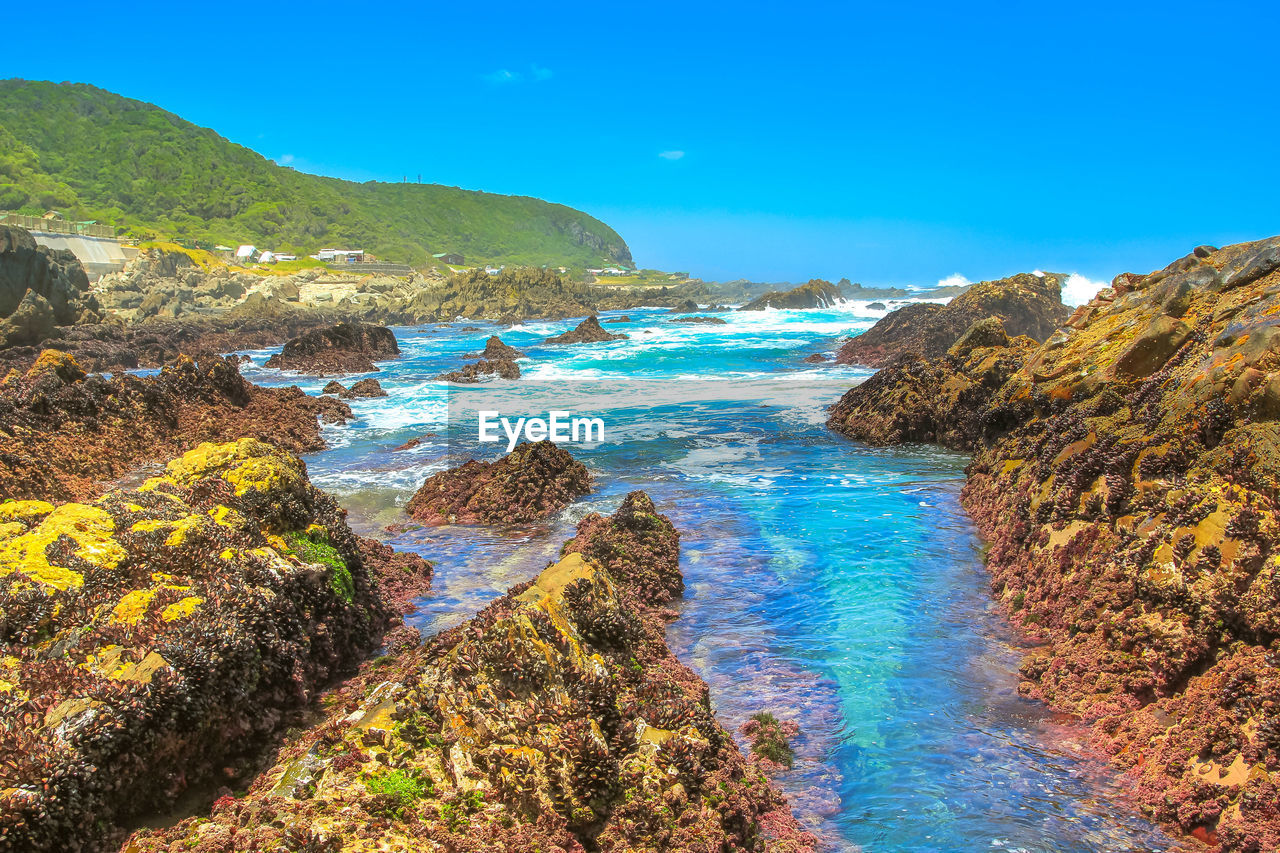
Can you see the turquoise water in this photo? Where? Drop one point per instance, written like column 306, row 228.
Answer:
column 829, row 583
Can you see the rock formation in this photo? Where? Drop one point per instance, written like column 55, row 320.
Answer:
column 816, row 293
column 503, row 368
column 556, row 719
column 151, row 636
column 344, row 348
column 913, row 399
column 40, row 290
column 532, row 482
column 1126, row 477
column 1026, row 304
column 65, row 434
column 715, row 321
column 496, row 350
column 588, row 331
column 367, row 387
column 171, row 283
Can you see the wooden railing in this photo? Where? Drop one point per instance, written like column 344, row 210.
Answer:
column 56, row 226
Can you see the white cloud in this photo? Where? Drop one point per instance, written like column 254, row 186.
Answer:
column 285, row 160
column 671, row 155
column 505, row 75
column 953, row 280
column 1078, row 290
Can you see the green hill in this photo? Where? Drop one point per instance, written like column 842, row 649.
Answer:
column 95, row 155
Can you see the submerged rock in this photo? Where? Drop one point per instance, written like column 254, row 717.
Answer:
column 344, row 348
column 1025, row 304
column 556, row 719
column 503, row 368
column 149, row 638
column 532, row 482
column 717, row 321
column 588, row 331
column 814, row 294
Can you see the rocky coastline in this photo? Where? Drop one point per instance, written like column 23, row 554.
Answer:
column 1124, row 475
column 555, row 719
column 69, row 434
column 1027, row 304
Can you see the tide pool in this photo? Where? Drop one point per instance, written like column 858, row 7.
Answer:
column 829, row 583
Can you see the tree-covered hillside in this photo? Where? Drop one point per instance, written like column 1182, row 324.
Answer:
column 95, row 155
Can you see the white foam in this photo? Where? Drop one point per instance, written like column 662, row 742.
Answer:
column 1078, row 290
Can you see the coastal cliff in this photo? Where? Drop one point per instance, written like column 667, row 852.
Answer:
column 1125, row 475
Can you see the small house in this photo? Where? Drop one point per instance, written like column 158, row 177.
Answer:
column 449, row 258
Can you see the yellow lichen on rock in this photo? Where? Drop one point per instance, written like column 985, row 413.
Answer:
column 181, row 609
column 247, row 464
column 133, row 606
column 24, row 510
column 90, row 527
column 181, row 528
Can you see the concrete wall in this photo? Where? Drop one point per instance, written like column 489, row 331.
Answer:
column 99, row 255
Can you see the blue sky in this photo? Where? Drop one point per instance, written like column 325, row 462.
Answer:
column 890, row 143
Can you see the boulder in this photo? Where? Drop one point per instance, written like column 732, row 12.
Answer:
column 503, row 368
column 588, row 331
column 32, row 322
column 344, row 348
column 368, row 387
column 814, row 294
column 496, row 350
column 532, row 482
column 74, row 432
column 54, row 276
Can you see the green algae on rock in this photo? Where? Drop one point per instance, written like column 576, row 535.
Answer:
column 557, row 718
column 155, row 634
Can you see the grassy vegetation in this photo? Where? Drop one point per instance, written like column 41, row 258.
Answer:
column 94, row 155
column 644, row 278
